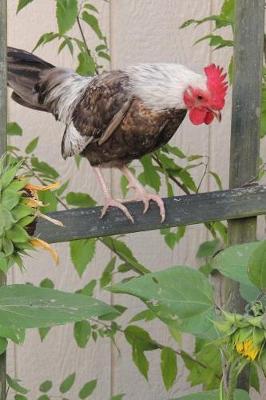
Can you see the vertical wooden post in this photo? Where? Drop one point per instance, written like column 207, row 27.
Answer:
column 3, row 119
column 244, row 152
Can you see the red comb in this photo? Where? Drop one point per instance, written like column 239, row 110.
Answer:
column 217, row 85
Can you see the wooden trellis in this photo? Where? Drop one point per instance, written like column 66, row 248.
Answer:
column 240, row 205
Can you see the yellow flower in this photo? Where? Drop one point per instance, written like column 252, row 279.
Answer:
column 44, row 245
column 247, row 349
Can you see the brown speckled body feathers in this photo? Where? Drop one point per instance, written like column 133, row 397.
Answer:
column 141, row 130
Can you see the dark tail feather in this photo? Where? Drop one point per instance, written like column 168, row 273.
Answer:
column 24, row 73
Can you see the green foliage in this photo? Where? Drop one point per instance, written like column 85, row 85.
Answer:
column 66, row 14
column 46, row 386
column 22, row 4
column 257, row 267
column 82, row 333
column 67, row 383
column 87, row 389
column 178, row 295
column 26, row 306
column 82, row 252
column 168, row 367
column 214, row 395
column 13, row 129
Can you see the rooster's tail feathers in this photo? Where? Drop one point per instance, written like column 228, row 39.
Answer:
column 24, row 74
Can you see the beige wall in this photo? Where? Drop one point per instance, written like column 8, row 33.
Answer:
column 138, row 31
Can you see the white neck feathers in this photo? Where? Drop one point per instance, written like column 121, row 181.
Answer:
column 162, row 86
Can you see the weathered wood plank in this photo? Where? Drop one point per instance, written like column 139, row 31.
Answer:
column 180, row 210
column 3, row 116
column 244, row 151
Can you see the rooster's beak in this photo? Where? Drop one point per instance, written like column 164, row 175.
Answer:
column 217, row 115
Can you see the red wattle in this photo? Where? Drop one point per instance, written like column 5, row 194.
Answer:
column 209, row 118
column 197, row 116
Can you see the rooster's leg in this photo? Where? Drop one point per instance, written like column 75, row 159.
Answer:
column 109, row 200
column 142, row 194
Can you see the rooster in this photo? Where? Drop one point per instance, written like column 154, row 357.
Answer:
column 118, row 116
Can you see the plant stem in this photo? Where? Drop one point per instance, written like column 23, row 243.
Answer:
column 86, row 45
column 232, row 382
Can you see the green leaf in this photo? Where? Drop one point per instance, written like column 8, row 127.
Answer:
column 118, row 397
column 208, row 248
column 3, row 345
column 254, row 377
column 168, row 367
column 15, row 385
column 67, row 383
column 7, row 247
column 10, row 199
column 88, row 389
column 106, row 277
column 78, row 199
column 49, row 200
column 92, row 21
column 149, row 176
column 17, row 234
column 44, row 397
column 146, row 315
column 26, row 306
column 45, row 283
column 124, row 253
column 8, row 175
column 174, row 150
column 13, row 129
column 176, row 294
column 22, row 4
column 44, row 169
column 233, row 261
column 82, row 252
column 45, row 38
column 6, row 219
column 91, row 7
column 89, row 288
column 16, row 335
column 32, row 145
column 82, row 333
column 214, row 395
column 138, row 337
column 46, row 386
column 140, row 361
column 257, row 266
column 87, row 66
column 20, row 397
column 217, row 180
column 66, row 14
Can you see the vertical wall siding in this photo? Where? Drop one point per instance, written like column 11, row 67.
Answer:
column 139, row 31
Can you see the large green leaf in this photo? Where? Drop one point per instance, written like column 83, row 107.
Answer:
column 257, row 266
column 66, row 14
column 213, row 395
column 233, row 261
column 177, row 295
column 26, row 306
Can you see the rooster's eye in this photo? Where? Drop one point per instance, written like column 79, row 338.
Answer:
column 199, row 97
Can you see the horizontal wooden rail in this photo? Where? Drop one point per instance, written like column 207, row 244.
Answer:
column 180, row 210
